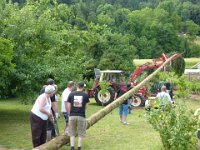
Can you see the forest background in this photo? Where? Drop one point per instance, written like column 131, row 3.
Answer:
column 66, row 39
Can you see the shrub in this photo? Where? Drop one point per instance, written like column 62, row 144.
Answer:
column 177, row 127
column 179, row 83
column 194, row 87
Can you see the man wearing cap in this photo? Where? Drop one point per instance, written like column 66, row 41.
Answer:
column 65, row 94
column 40, row 112
column 76, row 106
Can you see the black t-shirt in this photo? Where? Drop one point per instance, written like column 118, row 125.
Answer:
column 122, row 90
column 120, row 93
column 78, row 102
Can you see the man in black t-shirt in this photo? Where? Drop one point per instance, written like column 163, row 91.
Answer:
column 76, row 106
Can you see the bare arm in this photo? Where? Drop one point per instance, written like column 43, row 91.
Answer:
column 115, row 96
column 68, row 107
column 55, row 103
column 42, row 101
column 55, row 106
column 86, row 106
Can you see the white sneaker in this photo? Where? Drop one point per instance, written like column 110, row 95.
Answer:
column 125, row 123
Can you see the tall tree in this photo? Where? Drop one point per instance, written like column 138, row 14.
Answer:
column 6, row 66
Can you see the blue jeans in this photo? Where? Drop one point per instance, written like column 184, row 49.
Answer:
column 123, row 110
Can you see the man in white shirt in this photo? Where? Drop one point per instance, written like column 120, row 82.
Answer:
column 65, row 94
column 164, row 97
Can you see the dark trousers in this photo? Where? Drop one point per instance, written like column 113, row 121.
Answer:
column 38, row 129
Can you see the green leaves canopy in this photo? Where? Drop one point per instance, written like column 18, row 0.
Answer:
column 68, row 39
column 6, row 65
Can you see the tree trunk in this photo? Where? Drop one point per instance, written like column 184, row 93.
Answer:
column 61, row 140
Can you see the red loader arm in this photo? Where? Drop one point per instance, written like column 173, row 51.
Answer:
column 147, row 66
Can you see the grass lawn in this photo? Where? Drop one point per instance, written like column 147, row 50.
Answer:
column 107, row 134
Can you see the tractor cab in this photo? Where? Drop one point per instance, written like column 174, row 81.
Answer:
column 112, row 78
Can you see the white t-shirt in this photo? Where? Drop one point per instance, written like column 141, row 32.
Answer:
column 65, row 95
column 36, row 110
column 162, row 96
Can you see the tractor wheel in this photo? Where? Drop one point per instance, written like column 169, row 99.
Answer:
column 104, row 98
column 137, row 101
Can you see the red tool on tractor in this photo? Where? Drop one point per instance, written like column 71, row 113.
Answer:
column 117, row 77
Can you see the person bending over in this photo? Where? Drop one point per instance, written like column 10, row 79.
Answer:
column 51, row 133
column 39, row 115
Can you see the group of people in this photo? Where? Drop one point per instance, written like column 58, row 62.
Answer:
column 45, row 111
column 162, row 98
column 73, row 107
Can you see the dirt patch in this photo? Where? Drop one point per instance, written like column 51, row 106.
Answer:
column 2, row 148
column 195, row 97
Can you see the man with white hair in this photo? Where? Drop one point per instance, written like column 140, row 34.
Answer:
column 164, row 96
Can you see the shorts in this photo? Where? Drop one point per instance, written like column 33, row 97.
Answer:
column 123, row 110
column 77, row 125
column 66, row 117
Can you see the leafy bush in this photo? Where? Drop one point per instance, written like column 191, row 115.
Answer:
column 183, row 90
column 104, row 86
column 6, row 65
column 180, row 83
column 177, row 127
column 184, row 87
column 194, row 87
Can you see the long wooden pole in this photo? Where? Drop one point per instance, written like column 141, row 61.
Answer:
column 61, row 140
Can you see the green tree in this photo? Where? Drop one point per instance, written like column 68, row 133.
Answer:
column 192, row 29
column 6, row 65
column 67, row 39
